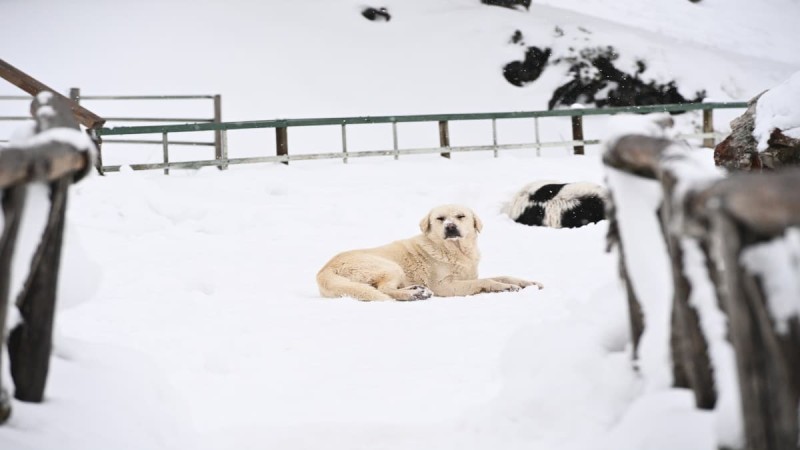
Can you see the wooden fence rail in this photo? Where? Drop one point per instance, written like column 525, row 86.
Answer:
column 736, row 241
column 58, row 154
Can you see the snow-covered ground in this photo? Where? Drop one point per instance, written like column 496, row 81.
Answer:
column 190, row 316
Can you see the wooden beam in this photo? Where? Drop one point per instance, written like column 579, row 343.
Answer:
column 33, row 87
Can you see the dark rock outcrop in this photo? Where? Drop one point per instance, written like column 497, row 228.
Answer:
column 519, row 73
column 595, row 80
column 377, row 14
column 739, row 151
column 509, row 3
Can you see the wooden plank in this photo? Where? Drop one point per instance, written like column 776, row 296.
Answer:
column 30, row 342
column 218, row 133
column 577, row 134
column 282, row 143
column 13, row 199
column 444, row 137
column 44, row 160
column 708, row 127
column 34, row 87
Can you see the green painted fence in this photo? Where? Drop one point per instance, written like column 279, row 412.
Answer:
column 222, row 161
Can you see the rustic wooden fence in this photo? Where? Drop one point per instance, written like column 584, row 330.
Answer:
column 58, row 154
column 732, row 245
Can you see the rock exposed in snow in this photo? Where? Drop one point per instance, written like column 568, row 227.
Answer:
column 509, row 3
column 767, row 135
column 738, row 151
column 523, row 72
column 377, row 14
column 594, row 78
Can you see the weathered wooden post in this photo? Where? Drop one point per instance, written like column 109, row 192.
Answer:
column 281, row 142
column 577, row 134
column 444, row 137
column 12, row 204
column 708, row 127
column 218, row 151
column 58, row 163
column 750, row 217
column 691, row 367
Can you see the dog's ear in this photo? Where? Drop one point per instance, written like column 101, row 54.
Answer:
column 478, row 223
column 425, row 224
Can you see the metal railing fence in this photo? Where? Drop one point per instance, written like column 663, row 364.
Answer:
column 281, row 127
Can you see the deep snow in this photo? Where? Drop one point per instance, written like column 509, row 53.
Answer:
column 190, row 317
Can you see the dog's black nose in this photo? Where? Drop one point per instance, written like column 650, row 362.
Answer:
column 451, row 230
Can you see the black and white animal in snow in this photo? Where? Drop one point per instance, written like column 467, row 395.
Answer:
column 558, row 205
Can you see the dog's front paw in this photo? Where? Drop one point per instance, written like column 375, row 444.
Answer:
column 526, row 283
column 418, row 292
column 496, row 286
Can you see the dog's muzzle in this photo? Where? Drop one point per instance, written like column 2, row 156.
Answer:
column 451, row 231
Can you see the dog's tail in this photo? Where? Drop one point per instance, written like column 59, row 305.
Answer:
column 333, row 285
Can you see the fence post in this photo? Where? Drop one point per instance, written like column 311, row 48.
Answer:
column 224, row 145
column 494, row 136
column 444, row 137
column 708, row 127
column 394, row 140
column 30, row 343
column 13, row 199
column 218, row 152
column 75, row 96
column 344, row 142
column 538, row 142
column 165, row 145
column 281, row 142
column 577, row 134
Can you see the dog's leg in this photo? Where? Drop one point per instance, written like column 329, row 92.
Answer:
column 409, row 293
column 518, row 282
column 460, row 288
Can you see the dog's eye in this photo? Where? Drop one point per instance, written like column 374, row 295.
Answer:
column 440, row 219
column 460, row 216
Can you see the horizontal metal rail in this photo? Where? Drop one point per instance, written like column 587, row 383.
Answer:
column 156, row 119
column 120, row 97
column 282, row 123
column 154, row 141
column 146, row 97
column 339, row 155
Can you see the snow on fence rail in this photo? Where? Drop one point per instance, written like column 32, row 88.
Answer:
column 57, row 154
column 712, row 269
column 281, row 127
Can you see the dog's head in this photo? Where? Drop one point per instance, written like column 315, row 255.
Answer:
column 451, row 222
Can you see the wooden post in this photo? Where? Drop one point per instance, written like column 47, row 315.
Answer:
column 281, row 142
column 33, row 87
column 224, row 146
column 688, row 345
column 690, row 361
column 708, row 127
column 30, row 343
column 394, row 140
column 58, row 163
column 577, row 134
column 494, row 136
column 344, row 142
column 13, row 199
column 165, row 147
column 444, row 137
column 218, row 153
